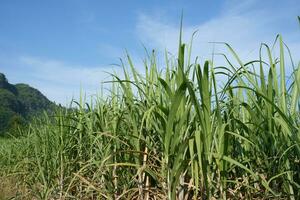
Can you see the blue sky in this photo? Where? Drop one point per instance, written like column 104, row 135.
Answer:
column 59, row 46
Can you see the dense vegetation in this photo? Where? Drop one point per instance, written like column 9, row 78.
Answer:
column 19, row 103
column 175, row 133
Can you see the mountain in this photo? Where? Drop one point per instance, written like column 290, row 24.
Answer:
column 19, row 103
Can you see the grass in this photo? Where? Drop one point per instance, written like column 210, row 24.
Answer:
column 172, row 134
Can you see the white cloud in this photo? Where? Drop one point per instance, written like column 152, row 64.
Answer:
column 242, row 24
column 108, row 50
column 61, row 81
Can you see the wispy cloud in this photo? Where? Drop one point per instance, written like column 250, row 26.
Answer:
column 242, row 24
column 111, row 51
column 62, row 81
column 61, row 72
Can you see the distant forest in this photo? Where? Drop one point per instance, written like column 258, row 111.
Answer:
column 18, row 104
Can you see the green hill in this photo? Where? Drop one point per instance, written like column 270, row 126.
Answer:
column 19, row 103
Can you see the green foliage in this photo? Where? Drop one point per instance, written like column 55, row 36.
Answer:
column 9, row 101
column 33, row 101
column 16, row 122
column 20, row 103
column 172, row 134
column 5, row 85
column 5, row 116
